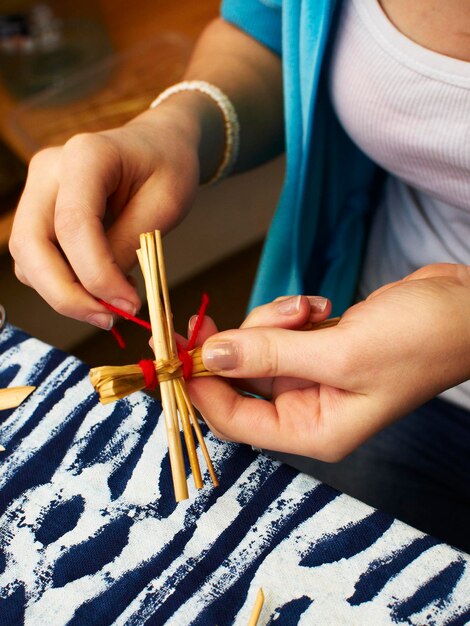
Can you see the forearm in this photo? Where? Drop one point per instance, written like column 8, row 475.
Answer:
column 251, row 76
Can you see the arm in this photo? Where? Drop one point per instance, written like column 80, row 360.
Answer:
column 141, row 176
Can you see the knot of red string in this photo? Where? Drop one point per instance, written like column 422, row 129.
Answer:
column 147, row 365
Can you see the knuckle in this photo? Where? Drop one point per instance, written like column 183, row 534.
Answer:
column 345, row 363
column 98, row 281
column 93, row 149
column 59, row 305
column 42, row 158
column 124, row 244
column 67, row 222
column 267, row 356
column 19, row 274
column 19, row 242
column 15, row 245
column 83, row 142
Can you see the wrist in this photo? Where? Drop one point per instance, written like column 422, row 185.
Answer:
column 198, row 120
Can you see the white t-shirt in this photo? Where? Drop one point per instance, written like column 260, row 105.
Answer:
column 408, row 109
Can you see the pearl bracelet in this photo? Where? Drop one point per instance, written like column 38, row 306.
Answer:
column 231, row 124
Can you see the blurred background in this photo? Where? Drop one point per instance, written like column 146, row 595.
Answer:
column 69, row 67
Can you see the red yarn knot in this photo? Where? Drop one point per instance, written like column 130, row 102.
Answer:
column 146, row 365
column 150, row 375
column 186, row 361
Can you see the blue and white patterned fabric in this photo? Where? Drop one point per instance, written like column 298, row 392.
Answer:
column 90, row 533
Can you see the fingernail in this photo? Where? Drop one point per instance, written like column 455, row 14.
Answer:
column 289, row 306
column 192, row 323
column 317, row 303
column 124, row 305
column 220, row 355
column 102, row 320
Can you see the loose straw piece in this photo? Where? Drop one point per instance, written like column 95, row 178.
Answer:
column 257, row 608
column 11, row 397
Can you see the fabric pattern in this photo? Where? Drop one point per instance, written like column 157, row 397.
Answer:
column 90, row 532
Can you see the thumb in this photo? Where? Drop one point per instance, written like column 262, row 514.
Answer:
column 270, row 352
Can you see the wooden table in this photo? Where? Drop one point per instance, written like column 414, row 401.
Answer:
column 128, row 24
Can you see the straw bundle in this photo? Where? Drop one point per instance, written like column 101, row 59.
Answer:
column 113, row 383
column 117, row 382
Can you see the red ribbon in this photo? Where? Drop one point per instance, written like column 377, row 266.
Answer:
column 147, row 365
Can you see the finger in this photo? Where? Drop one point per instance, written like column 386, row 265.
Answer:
column 206, row 329
column 39, row 262
column 290, row 425
column 158, row 204
column 21, row 276
column 90, row 173
column 289, row 312
column 232, row 416
column 302, row 421
column 321, row 355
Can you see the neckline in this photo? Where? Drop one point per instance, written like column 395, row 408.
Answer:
column 408, row 52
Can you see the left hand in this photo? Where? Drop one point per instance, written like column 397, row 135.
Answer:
column 332, row 389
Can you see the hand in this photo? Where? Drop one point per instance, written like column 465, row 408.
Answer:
column 140, row 177
column 84, row 205
column 332, row 389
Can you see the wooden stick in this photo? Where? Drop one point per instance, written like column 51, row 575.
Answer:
column 11, row 397
column 188, row 433
column 148, row 262
column 200, row 438
column 257, row 608
column 331, row 321
column 179, row 383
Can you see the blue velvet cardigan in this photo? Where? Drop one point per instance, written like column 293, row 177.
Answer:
column 316, row 238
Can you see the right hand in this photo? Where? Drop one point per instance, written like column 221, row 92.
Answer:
column 84, row 205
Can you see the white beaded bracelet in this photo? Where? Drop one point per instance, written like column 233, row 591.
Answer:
column 232, row 126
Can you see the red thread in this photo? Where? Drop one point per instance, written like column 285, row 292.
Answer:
column 127, row 316
column 146, row 365
column 150, row 375
column 119, row 338
column 183, row 353
column 200, row 317
column 186, row 361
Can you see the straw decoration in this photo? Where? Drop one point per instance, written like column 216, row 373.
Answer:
column 168, row 370
column 113, row 383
